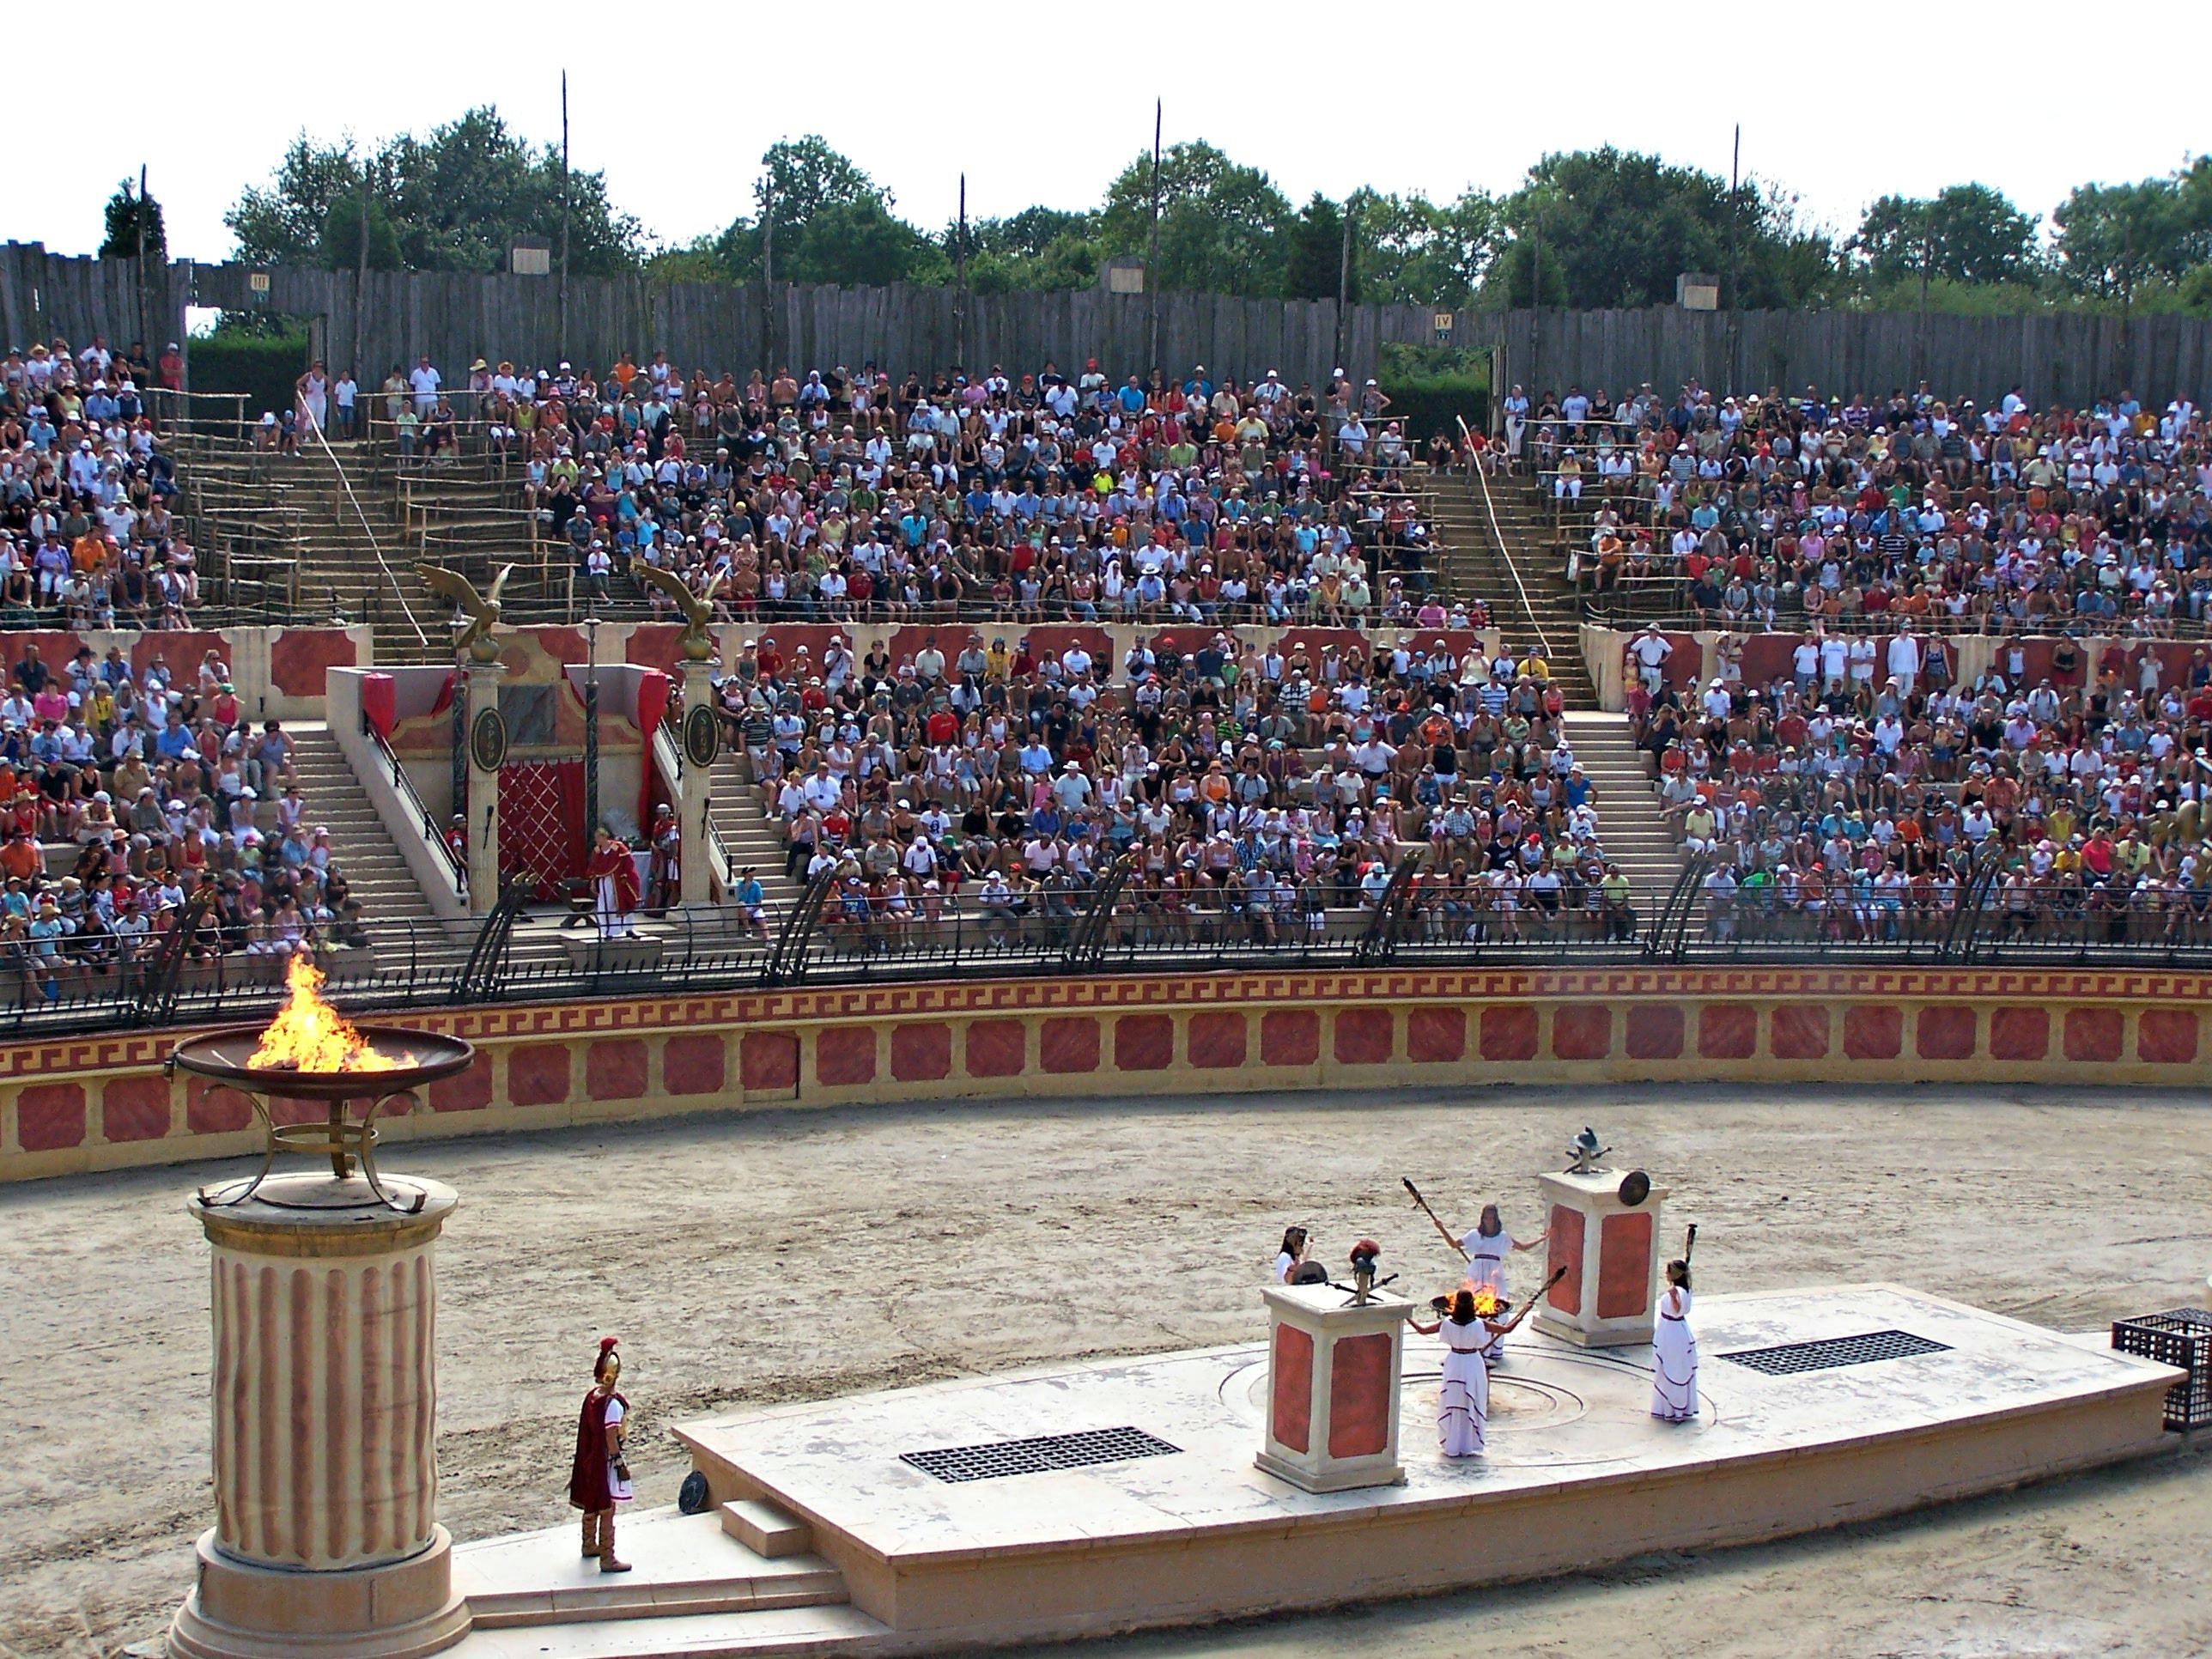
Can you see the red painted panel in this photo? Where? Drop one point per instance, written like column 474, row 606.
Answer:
column 921, row 1053
column 50, row 1116
column 1144, row 1042
column 1565, row 1251
column 997, row 1047
column 614, row 1069
column 1218, row 1039
column 180, row 653
column 135, row 1108
column 845, row 1055
column 469, row 1091
column 1581, row 1031
column 1509, row 1032
column 1069, row 1045
column 1800, row 1032
column 1654, row 1031
column 300, row 658
column 769, row 1060
column 2092, row 1034
column 2166, row 1037
column 538, row 1074
column 1290, row 1413
column 1623, row 1264
column 655, row 645
column 1946, row 1033
column 1363, row 1037
column 1875, row 1032
column 1436, row 1034
column 1290, row 1036
column 2019, row 1034
column 694, row 1065
column 1728, row 1031
column 210, row 1109
column 1361, row 1383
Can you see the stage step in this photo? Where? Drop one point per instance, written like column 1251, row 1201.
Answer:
column 783, row 1633
column 682, row 1567
column 765, row 1529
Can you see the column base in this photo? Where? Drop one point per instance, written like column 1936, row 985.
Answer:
column 1622, row 1336
column 1340, row 1479
column 405, row 1610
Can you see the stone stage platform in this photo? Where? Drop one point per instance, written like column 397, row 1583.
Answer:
column 828, row 1539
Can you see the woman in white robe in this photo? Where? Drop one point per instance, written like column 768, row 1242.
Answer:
column 1674, row 1352
column 1463, row 1401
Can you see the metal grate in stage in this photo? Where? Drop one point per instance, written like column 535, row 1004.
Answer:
column 1792, row 1357
column 1035, row 1456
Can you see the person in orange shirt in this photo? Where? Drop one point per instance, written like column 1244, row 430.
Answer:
column 20, row 858
column 87, row 552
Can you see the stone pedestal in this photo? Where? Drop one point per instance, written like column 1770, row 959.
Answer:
column 1611, row 1253
column 1332, row 1373
column 484, row 680
column 326, row 1540
column 695, row 874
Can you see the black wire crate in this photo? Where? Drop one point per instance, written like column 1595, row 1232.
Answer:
column 2182, row 1337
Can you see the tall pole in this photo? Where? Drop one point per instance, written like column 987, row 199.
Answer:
column 1536, row 297
column 1152, row 259
column 960, row 281
column 1343, row 280
column 1920, row 329
column 591, row 728
column 140, row 217
column 767, row 280
column 360, row 287
column 1735, row 215
column 564, row 348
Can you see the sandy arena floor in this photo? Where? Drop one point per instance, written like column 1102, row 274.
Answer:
column 791, row 1256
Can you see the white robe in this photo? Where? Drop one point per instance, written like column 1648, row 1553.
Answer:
column 1486, row 1265
column 1464, row 1402
column 1674, row 1360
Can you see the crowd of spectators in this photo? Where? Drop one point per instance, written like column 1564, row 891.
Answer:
column 1766, row 512
column 850, row 496
column 1257, row 791
column 88, row 539
column 1868, row 790
column 125, row 795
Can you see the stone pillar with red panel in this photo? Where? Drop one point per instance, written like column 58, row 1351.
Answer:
column 1605, row 1234
column 1334, row 1364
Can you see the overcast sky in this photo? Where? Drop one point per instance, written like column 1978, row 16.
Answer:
column 673, row 101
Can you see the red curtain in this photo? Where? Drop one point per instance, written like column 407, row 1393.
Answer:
column 541, row 822
column 379, row 703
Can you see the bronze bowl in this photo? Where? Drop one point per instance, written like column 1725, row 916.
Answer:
column 420, row 1059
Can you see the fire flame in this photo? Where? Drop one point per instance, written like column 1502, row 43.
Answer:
column 308, row 1034
column 1486, row 1299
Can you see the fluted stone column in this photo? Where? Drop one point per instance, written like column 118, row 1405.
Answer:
column 695, row 872
column 484, row 680
column 326, row 1540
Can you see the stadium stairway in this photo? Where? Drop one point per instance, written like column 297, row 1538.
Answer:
column 1540, row 605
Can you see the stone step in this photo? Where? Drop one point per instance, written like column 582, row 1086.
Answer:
column 765, row 1529
column 682, row 1567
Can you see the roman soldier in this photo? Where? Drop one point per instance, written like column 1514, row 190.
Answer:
column 600, row 1477
column 613, row 874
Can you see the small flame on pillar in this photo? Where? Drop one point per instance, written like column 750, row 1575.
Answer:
column 308, row 1034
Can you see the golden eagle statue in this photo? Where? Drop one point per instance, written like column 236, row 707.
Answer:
column 697, row 609
column 482, row 610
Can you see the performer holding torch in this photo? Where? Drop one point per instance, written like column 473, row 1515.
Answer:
column 1675, row 1344
column 1485, row 1250
column 1463, row 1401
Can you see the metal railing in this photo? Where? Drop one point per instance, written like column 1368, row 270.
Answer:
column 1504, row 551
column 836, row 936
column 433, row 831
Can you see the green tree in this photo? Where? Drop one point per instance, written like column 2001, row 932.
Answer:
column 1313, row 257
column 1622, row 226
column 1966, row 233
column 126, row 209
column 1222, row 224
column 281, row 224
column 1415, row 251
column 2114, row 237
column 456, row 199
column 339, row 248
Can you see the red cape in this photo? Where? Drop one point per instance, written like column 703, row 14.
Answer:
column 614, row 861
column 588, row 1481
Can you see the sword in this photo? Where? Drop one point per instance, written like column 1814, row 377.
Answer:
column 1432, row 1216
